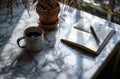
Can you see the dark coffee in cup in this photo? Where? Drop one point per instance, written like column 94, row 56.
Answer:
column 33, row 34
column 34, row 39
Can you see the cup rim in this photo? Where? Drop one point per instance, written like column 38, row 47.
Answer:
column 33, row 29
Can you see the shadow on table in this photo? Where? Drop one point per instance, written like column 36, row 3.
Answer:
column 7, row 27
column 23, row 65
column 26, row 57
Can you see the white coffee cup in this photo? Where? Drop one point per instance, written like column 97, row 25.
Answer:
column 34, row 39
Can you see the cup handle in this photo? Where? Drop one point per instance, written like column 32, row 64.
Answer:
column 18, row 42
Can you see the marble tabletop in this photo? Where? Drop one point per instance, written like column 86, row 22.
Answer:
column 56, row 60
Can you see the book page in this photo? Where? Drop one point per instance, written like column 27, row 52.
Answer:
column 82, row 25
column 81, row 38
column 101, row 31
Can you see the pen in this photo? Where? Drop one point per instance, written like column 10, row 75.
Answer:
column 94, row 35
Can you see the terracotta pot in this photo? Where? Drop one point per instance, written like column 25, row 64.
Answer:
column 48, row 17
column 48, row 27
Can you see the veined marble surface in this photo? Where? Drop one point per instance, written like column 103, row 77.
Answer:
column 56, row 60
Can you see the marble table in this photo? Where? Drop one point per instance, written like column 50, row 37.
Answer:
column 56, row 60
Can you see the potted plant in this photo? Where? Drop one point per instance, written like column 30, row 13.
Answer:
column 48, row 11
column 9, row 4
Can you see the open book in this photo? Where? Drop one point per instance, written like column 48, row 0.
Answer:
column 82, row 37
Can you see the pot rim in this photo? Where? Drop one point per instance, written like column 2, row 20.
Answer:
column 57, row 8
